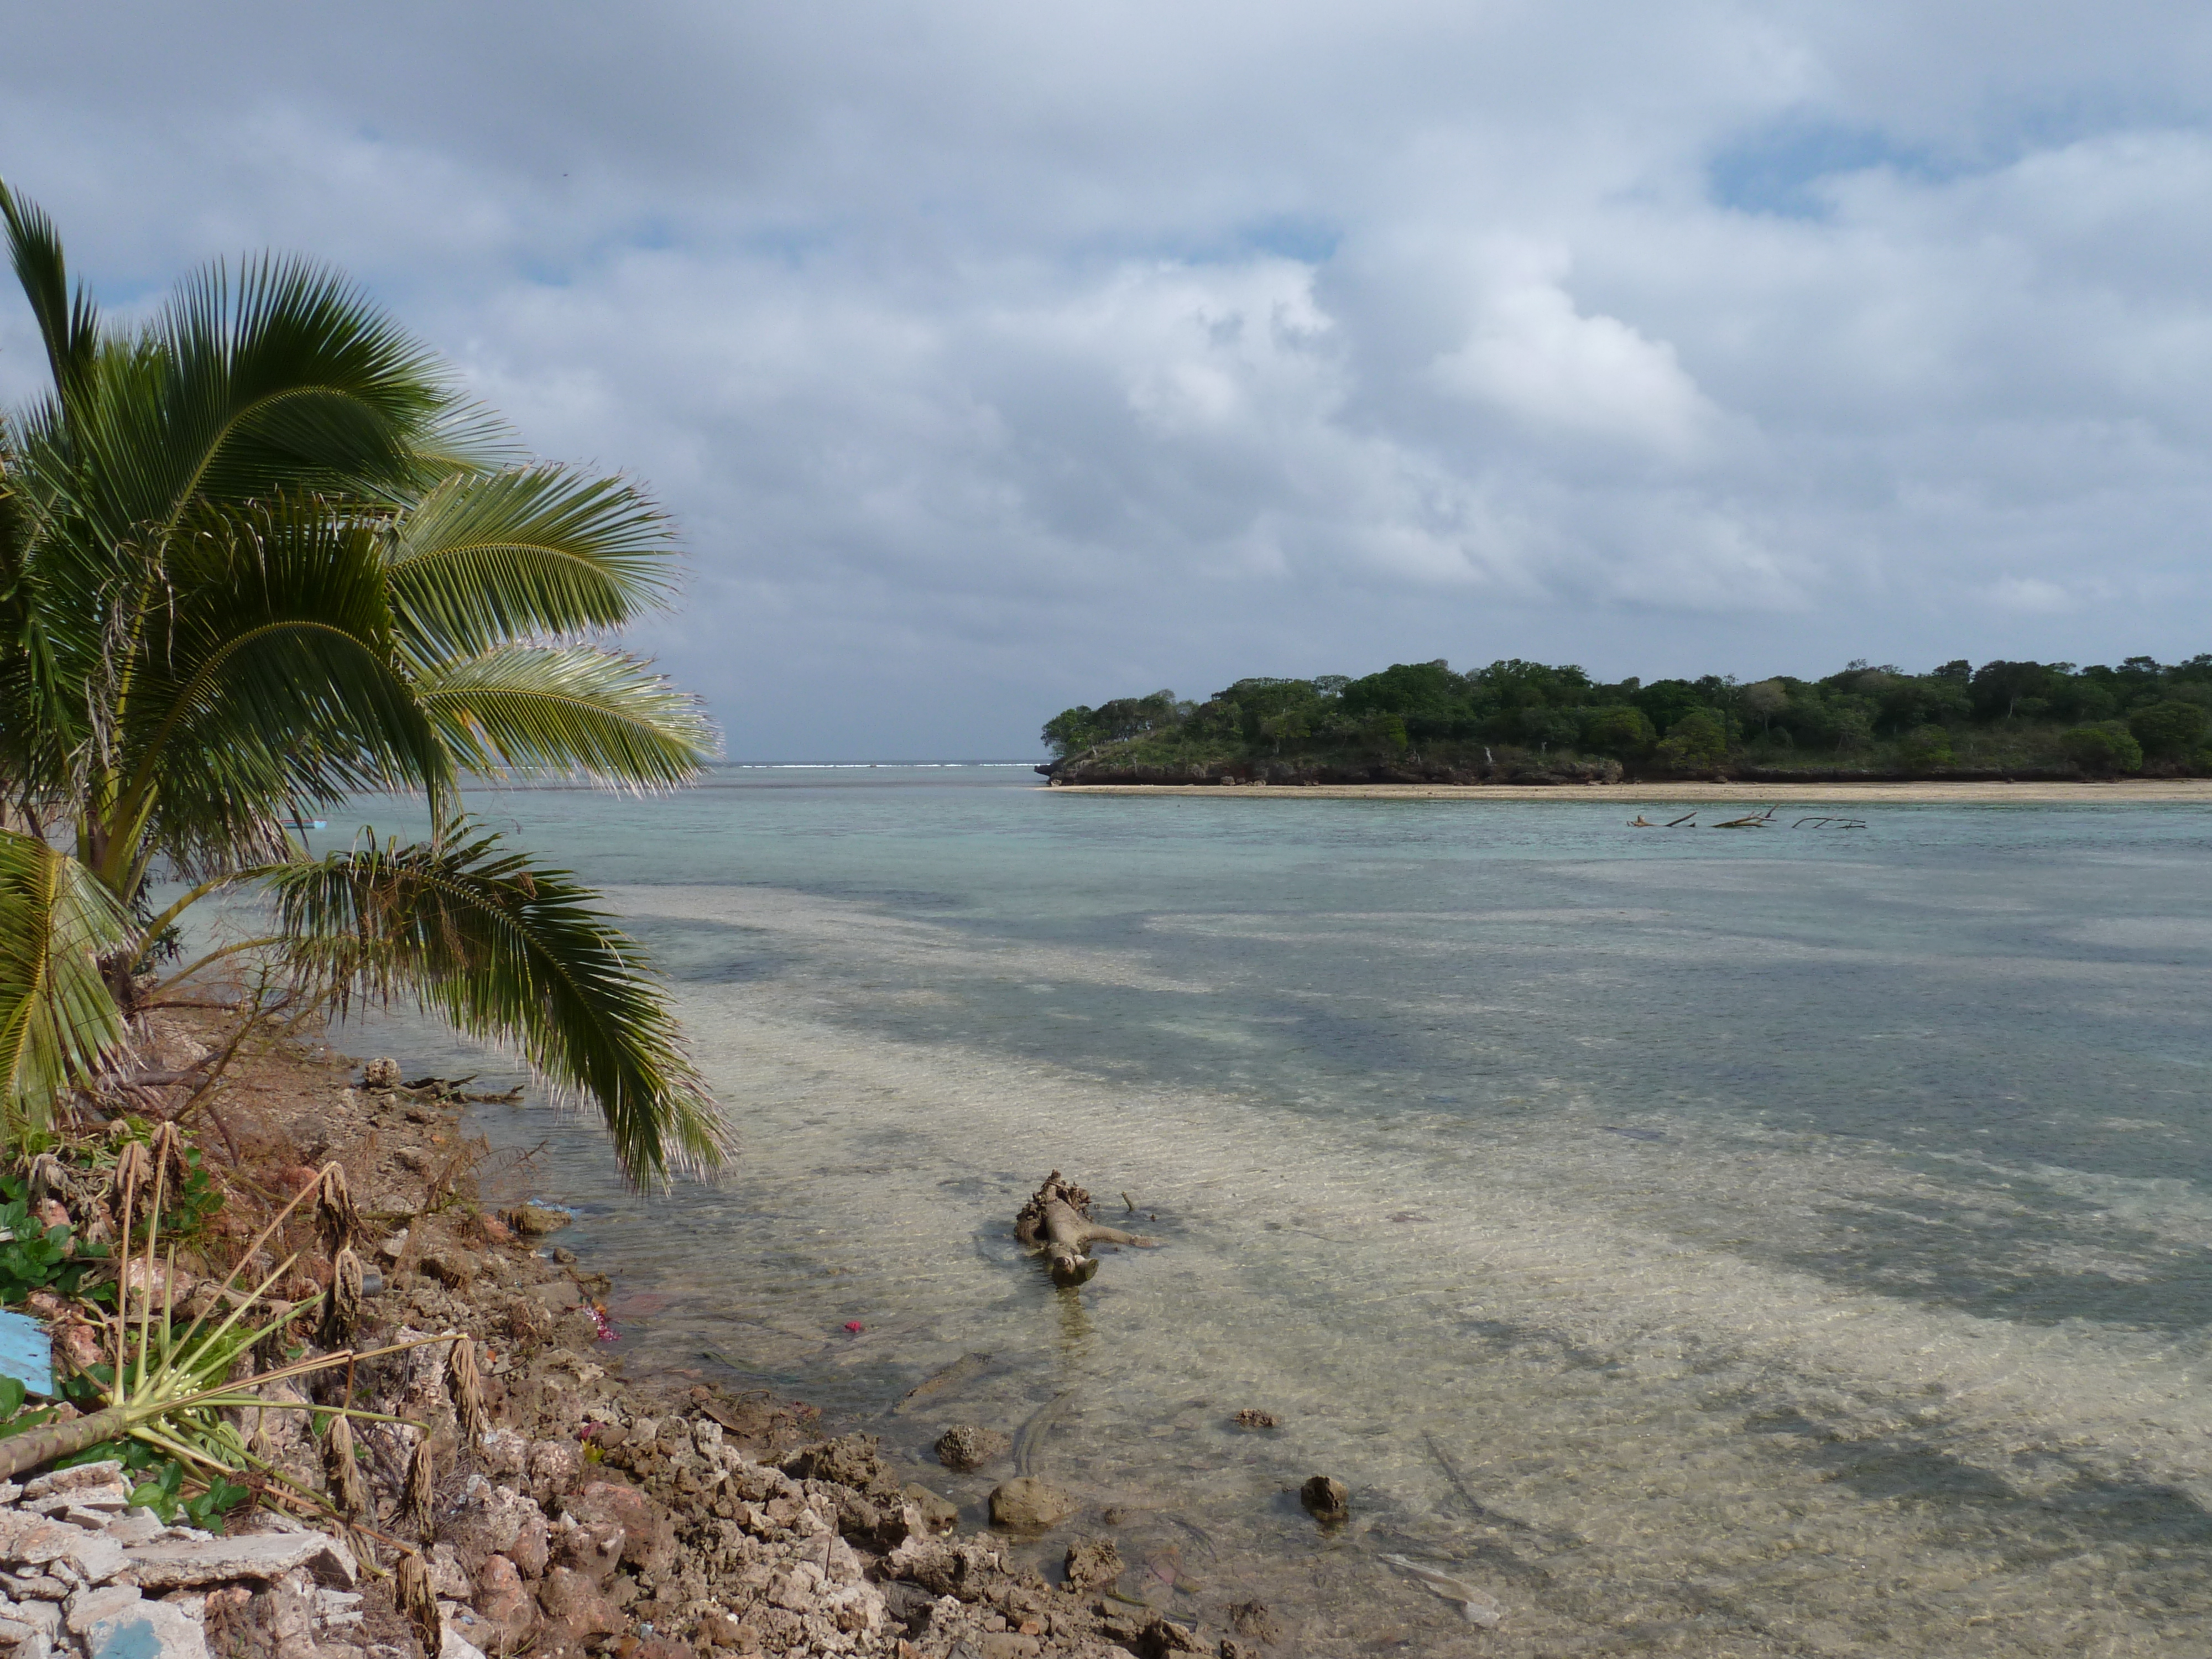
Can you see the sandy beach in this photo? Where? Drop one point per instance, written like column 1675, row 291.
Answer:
column 1933, row 793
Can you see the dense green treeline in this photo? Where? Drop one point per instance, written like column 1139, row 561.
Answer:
column 1526, row 718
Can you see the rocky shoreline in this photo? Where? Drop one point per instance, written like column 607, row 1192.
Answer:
column 596, row 1514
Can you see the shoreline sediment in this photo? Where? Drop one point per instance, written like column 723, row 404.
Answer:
column 645, row 1517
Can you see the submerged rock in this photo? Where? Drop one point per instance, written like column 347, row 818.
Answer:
column 936, row 1514
column 1092, row 1564
column 536, row 1220
column 1026, row 1502
column 1252, row 1618
column 965, row 1447
column 1327, row 1499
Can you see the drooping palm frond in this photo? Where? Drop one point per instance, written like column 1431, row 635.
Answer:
column 264, row 677
column 569, row 710
column 518, row 954
column 536, row 552
column 258, row 555
column 58, row 1017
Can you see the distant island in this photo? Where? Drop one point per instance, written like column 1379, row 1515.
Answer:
column 1520, row 722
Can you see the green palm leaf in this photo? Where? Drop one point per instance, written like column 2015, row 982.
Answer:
column 519, row 955
column 574, row 710
column 258, row 555
column 266, row 680
column 532, row 553
column 285, row 378
column 58, row 1017
column 69, row 324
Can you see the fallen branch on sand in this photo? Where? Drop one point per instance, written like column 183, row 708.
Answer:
column 1058, row 1217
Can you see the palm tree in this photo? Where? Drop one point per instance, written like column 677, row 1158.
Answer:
column 257, row 555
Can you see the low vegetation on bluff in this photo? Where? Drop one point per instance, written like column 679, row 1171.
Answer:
column 1518, row 721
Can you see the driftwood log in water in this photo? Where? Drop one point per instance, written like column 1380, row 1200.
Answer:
column 1058, row 1217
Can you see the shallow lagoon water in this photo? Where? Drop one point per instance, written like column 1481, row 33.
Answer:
column 1789, row 1241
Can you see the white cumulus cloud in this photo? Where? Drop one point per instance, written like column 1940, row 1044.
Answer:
column 997, row 357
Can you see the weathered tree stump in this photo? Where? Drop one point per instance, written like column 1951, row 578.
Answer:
column 1058, row 1217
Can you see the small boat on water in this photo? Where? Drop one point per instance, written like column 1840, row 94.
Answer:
column 306, row 824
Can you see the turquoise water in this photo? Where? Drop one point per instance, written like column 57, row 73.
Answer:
column 1797, row 1241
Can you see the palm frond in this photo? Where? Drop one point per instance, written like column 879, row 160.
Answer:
column 69, row 324
column 573, row 710
column 531, row 553
column 284, row 378
column 58, row 1017
column 518, row 954
column 266, row 679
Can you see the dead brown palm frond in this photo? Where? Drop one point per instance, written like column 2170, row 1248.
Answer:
column 134, row 1169
column 465, row 1384
column 420, row 1493
column 411, row 1580
column 342, row 1306
column 349, row 1492
column 336, row 1218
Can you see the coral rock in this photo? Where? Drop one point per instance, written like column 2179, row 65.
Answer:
column 935, row 1514
column 1026, row 1502
column 647, row 1529
column 850, row 1461
column 1327, row 1499
column 575, row 1609
column 965, row 1447
column 1092, row 1564
column 503, row 1598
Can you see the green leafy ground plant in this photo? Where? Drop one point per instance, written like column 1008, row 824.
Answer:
column 166, row 1384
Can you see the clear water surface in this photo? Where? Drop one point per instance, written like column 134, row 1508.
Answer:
column 1792, row 1242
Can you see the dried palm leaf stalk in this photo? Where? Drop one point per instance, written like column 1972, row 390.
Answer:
column 336, row 1218
column 342, row 1309
column 421, row 1492
column 465, row 1384
column 349, row 1492
column 411, row 1580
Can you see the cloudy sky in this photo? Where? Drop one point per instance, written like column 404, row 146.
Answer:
column 1001, row 357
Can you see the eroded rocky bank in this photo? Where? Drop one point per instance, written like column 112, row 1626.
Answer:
column 595, row 1514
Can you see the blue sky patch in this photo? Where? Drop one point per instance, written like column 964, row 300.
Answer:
column 1778, row 169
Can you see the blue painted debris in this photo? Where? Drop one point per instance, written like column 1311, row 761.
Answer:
column 27, row 1353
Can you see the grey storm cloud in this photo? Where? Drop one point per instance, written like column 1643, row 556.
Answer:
column 999, row 357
